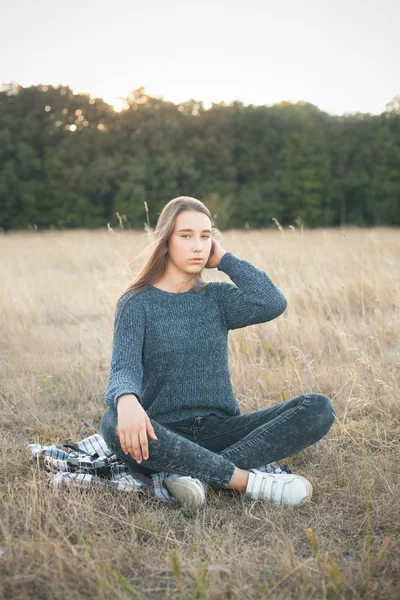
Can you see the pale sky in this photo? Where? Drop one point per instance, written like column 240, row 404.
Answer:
column 340, row 55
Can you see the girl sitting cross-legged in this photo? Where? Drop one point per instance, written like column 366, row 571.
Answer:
column 171, row 407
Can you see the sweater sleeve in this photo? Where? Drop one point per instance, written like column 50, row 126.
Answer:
column 254, row 298
column 126, row 369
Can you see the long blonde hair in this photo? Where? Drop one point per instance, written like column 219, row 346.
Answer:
column 157, row 261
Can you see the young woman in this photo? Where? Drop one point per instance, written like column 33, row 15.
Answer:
column 171, row 406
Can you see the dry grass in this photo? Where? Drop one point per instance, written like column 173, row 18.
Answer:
column 340, row 335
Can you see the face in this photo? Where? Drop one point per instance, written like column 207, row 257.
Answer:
column 191, row 238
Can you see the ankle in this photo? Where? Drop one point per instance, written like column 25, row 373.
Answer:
column 239, row 480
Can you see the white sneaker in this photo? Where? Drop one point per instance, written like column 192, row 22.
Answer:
column 278, row 488
column 187, row 489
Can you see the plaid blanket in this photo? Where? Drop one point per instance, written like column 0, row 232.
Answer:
column 54, row 460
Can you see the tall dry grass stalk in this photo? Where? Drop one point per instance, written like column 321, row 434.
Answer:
column 339, row 335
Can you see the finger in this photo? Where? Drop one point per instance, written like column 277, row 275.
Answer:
column 144, row 444
column 134, row 450
column 150, row 430
column 122, row 442
column 129, row 444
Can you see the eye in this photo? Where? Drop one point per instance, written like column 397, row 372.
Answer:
column 187, row 235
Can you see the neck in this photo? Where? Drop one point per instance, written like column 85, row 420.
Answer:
column 174, row 280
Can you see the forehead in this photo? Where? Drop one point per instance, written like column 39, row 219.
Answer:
column 192, row 219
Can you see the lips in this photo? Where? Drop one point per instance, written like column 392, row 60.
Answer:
column 196, row 260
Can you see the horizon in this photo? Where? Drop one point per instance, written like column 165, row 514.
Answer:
column 121, row 106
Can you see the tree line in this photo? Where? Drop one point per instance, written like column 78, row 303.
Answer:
column 69, row 160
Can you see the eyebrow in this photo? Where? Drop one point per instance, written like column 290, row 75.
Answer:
column 208, row 230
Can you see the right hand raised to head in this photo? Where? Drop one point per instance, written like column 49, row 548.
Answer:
column 133, row 427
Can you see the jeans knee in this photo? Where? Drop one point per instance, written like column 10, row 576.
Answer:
column 108, row 428
column 322, row 409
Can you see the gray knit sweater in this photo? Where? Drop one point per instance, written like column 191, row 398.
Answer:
column 171, row 349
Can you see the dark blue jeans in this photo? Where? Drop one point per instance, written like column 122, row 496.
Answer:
column 211, row 446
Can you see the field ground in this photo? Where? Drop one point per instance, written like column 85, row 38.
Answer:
column 339, row 335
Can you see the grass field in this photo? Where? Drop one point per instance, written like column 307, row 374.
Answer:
column 339, row 336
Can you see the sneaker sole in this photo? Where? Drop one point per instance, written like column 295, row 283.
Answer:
column 183, row 491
